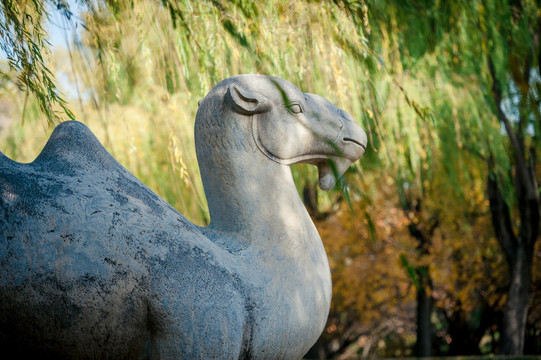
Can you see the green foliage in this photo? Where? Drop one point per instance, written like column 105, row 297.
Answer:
column 418, row 76
column 25, row 44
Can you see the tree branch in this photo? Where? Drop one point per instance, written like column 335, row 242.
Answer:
column 501, row 218
column 523, row 178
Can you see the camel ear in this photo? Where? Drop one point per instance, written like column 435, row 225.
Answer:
column 246, row 102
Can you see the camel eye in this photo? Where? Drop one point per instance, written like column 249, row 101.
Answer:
column 295, row 108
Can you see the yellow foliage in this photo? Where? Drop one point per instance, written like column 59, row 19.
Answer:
column 368, row 278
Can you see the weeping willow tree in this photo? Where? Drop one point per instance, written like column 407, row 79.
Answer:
column 446, row 90
column 490, row 49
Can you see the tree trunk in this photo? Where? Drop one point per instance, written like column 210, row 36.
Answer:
column 516, row 308
column 423, row 234
column 519, row 254
column 424, row 312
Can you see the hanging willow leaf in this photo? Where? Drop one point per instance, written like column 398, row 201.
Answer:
column 24, row 41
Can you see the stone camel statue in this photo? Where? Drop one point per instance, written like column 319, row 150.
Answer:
column 93, row 264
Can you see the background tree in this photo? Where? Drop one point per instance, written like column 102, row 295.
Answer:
column 495, row 46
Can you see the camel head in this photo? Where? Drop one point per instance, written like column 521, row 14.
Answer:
column 286, row 125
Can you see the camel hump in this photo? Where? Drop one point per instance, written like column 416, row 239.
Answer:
column 73, row 147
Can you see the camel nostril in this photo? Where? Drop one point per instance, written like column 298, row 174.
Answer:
column 355, row 142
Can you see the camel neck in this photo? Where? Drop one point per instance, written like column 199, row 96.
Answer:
column 253, row 201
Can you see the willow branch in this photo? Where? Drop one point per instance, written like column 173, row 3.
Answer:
column 516, row 143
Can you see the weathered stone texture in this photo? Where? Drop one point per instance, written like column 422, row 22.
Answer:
column 93, row 264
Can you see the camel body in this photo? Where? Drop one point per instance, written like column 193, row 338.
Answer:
column 95, row 264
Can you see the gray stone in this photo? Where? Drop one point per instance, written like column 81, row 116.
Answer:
column 93, row 264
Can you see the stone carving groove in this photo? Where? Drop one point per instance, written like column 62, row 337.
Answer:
column 93, row 264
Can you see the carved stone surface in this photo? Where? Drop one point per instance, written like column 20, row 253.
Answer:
column 93, row 264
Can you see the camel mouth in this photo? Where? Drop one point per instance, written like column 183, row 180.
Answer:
column 330, row 170
column 357, row 142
